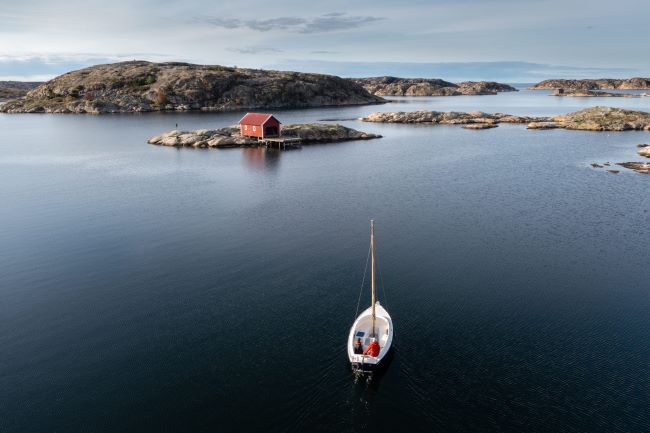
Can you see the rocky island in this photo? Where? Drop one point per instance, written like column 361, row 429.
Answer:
column 639, row 167
column 590, row 119
column 592, row 93
column 394, row 86
column 451, row 118
column 604, row 119
column 16, row 89
column 644, row 150
column 603, row 83
column 230, row 137
column 139, row 86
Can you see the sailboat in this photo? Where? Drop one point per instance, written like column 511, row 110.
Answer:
column 373, row 326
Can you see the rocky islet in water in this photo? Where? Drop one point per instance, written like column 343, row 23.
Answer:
column 605, row 119
column 639, row 167
column 480, row 126
column 590, row 119
column 449, row 117
column 592, row 84
column 311, row 133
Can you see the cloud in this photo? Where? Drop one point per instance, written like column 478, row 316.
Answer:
column 254, row 50
column 325, row 23
column 368, row 31
column 337, row 21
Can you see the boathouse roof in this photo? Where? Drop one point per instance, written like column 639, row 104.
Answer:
column 257, row 119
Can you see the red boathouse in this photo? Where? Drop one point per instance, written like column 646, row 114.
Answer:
column 260, row 125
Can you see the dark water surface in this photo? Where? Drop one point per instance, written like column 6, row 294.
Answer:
column 150, row 289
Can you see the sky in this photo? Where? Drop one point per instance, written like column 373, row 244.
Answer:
column 508, row 40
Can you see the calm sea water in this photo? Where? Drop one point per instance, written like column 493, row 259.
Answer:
column 150, row 289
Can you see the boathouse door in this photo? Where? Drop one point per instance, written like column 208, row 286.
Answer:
column 271, row 131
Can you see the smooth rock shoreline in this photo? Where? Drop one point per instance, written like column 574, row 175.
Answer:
column 542, row 125
column 480, row 126
column 229, row 137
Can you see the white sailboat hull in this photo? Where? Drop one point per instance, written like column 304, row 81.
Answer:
column 362, row 328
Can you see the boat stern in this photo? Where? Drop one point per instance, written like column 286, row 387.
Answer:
column 363, row 363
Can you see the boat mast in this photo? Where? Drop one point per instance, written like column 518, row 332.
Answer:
column 372, row 249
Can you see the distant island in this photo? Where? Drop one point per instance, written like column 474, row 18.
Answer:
column 139, row 86
column 394, row 86
column 16, row 89
column 602, row 83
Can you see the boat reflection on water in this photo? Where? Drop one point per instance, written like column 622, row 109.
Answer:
column 260, row 158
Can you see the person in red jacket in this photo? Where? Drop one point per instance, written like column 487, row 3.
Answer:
column 372, row 349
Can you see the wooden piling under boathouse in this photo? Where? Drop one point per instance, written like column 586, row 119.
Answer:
column 280, row 143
